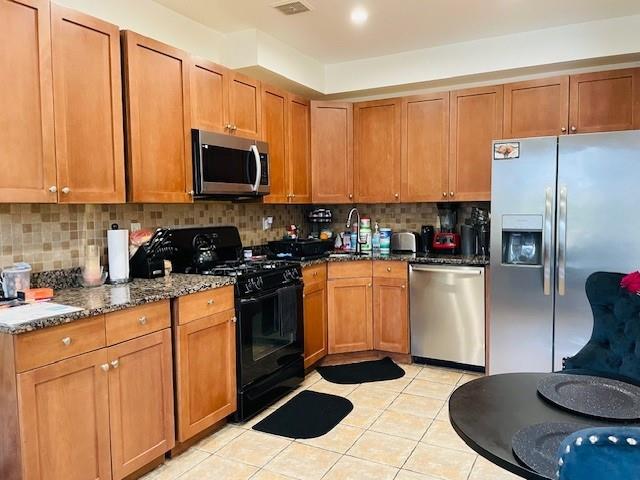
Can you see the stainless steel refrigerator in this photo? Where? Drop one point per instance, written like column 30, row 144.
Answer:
column 562, row 208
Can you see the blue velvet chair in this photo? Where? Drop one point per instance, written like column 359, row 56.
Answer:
column 614, row 348
column 611, row 453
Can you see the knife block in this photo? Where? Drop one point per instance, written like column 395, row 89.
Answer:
column 141, row 265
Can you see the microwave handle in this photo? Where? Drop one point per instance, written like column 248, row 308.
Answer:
column 256, row 155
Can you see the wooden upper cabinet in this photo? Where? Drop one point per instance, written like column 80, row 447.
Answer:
column 476, row 120
column 141, row 401
column 377, row 149
column 536, row 108
column 158, row 121
column 244, row 106
column 605, row 101
column 425, row 147
column 209, row 96
column 274, row 125
column 64, row 419
column 27, row 152
column 88, row 108
column 332, row 152
column 299, row 151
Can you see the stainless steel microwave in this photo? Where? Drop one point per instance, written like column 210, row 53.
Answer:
column 229, row 166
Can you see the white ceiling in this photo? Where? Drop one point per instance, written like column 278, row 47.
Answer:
column 327, row 35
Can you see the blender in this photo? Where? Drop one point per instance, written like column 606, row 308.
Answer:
column 446, row 239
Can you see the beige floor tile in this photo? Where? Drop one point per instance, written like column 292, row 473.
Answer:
column 411, row 370
column 350, row 468
column 427, row 388
column 216, row 468
column 442, row 434
column 254, row 448
column 361, row 417
column 485, row 470
column 219, row 439
column 443, row 414
column 440, row 462
column 396, row 385
column 372, row 397
column 249, row 424
column 323, row 386
column 467, row 377
column 381, row 448
column 407, row 475
column 310, row 379
column 440, row 375
column 401, row 424
column 303, row 462
column 339, row 439
column 416, row 405
column 175, row 467
column 267, row 475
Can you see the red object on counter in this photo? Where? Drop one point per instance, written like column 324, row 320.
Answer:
column 631, row 282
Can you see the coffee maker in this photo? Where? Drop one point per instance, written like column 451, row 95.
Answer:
column 446, row 239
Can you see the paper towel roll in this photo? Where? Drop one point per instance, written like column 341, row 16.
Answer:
column 118, row 250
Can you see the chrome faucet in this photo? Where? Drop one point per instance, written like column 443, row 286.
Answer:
column 349, row 223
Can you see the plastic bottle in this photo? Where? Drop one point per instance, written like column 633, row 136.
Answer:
column 375, row 239
column 365, row 234
column 354, row 238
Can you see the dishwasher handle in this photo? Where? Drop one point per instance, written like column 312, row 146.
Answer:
column 457, row 271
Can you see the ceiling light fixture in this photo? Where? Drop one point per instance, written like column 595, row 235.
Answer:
column 359, row 15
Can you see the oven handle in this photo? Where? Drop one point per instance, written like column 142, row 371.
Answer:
column 271, row 293
column 256, row 155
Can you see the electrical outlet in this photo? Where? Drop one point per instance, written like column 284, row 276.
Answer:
column 267, row 223
column 135, row 227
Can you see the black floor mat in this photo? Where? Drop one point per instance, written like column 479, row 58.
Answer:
column 307, row 415
column 362, row 372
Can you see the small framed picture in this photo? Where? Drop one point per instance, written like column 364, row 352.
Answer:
column 504, row 151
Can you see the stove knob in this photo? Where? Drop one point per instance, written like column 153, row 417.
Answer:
column 259, row 283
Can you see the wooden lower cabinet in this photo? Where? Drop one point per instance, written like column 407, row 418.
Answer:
column 390, row 315
column 350, row 315
column 140, row 401
column 64, row 419
column 206, row 372
column 315, row 314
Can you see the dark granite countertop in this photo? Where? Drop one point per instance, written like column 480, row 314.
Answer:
column 476, row 260
column 110, row 298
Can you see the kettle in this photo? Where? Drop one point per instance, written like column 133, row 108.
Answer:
column 204, row 253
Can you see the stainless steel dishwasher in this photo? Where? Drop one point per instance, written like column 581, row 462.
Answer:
column 448, row 313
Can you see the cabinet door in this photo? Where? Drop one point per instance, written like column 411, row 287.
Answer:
column 536, row 108
column 64, row 419
column 244, row 106
column 209, row 96
column 390, row 315
column 88, row 108
column 476, row 120
column 158, row 121
column 206, row 372
column 349, row 309
column 27, row 152
column 274, row 126
column 377, row 149
column 315, row 322
column 332, row 152
column 141, row 401
column 299, row 150
column 605, row 101
column 425, row 148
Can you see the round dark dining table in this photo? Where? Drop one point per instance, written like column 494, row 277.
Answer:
column 488, row 411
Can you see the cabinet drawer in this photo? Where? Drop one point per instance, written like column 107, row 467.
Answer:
column 390, row 269
column 137, row 321
column 351, row 269
column 202, row 304
column 43, row 347
column 314, row 273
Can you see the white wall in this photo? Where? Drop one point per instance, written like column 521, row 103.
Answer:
column 156, row 21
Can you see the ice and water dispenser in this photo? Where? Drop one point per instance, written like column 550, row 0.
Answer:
column 522, row 239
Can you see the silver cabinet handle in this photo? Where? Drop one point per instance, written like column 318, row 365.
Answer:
column 546, row 241
column 256, row 155
column 115, row 364
column 53, row 189
column 444, row 194
column 142, row 320
column 404, row 286
column 351, row 195
column 66, row 341
column 452, row 194
column 573, row 128
column 234, row 319
column 397, row 195
column 210, row 301
column 562, row 240
column 105, row 367
column 563, row 129
column 65, row 190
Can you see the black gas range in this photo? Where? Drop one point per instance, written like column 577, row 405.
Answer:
column 268, row 303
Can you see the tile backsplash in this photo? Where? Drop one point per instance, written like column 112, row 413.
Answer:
column 54, row 236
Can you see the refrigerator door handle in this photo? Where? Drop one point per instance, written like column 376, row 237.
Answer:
column 546, row 246
column 562, row 240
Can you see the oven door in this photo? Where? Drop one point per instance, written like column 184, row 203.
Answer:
column 225, row 165
column 270, row 332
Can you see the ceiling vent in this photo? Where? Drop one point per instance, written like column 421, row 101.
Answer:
column 292, row 8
